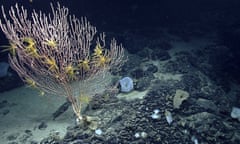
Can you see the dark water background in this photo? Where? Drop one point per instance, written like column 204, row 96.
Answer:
column 220, row 16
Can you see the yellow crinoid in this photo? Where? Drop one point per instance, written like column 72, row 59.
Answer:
column 30, row 82
column 84, row 64
column 102, row 61
column 11, row 48
column 30, row 47
column 51, row 43
column 98, row 51
column 70, row 71
column 51, row 63
column 100, row 58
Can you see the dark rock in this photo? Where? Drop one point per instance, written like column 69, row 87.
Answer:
column 161, row 55
column 3, row 104
column 42, row 126
column 64, row 107
column 117, row 119
column 133, row 62
column 207, row 104
column 5, row 112
column 191, row 82
column 24, row 138
column 175, row 67
column 29, row 132
column 182, row 64
column 152, row 68
column 33, row 142
column 137, row 73
column 13, row 136
column 142, row 84
column 48, row 140
column 53, row 138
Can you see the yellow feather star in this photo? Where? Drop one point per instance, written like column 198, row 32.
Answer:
column 11, row 48
column 30, row 82
column 50, row 43
column 70, row 71
column 51, row 62
column 98, row 51
column 84, row 64
column 30, row 47
column 102, row 61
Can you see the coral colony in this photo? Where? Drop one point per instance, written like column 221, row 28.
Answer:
column 59, row 54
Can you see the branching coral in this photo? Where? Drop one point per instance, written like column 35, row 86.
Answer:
column 53, row 53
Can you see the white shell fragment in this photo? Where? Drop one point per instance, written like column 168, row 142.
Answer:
column 235, row 113
column 194, row 140
column 141, row 135
column 168, row 116
column 156, row 111
column 144, row 135
column 137, row 135
column 98, row 132
column 156, row 114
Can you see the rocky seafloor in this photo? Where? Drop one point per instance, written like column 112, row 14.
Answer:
column 189, row 90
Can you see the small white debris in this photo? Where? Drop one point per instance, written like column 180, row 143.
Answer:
column 137, row 135
column 156, row 111
column 194, row 139
column 141, row 135
column 156, row 114
column 235, row 113
column 98, row 132
column 144, row 135
column 77, row 121
column 168, row 116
